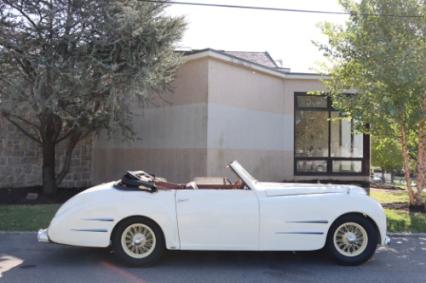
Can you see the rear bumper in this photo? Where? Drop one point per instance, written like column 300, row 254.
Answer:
column 42, row 236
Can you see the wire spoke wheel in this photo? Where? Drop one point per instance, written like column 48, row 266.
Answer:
column 350, row 239
column 138, row 240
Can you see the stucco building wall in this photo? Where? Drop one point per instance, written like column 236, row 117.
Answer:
column 248, row 121
column 172, row 136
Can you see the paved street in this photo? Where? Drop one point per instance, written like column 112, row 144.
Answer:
column 22, row 259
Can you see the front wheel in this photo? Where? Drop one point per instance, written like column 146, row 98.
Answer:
column 138, row 241
column 352, row 239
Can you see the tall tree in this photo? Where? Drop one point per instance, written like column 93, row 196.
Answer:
column 69, row 68
column 381, row 52
column 386, row 154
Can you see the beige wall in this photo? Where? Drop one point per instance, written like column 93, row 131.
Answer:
column 190, row 85
column 241, row 87
column 248, row 120
column 218, row 112
column 171, row 137
column 177, row 165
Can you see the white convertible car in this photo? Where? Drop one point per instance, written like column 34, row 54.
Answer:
column 141, row 215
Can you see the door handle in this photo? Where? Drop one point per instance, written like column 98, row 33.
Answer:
column 183, row 199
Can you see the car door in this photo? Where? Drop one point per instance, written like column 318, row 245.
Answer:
column 215, row 219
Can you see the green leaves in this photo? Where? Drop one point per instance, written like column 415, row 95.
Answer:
column 85, row 61
column 381, row 53
column 383, row 58
column 71, row 68
column 386, row 153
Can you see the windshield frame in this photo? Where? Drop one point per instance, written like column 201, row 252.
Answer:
column 242, row 173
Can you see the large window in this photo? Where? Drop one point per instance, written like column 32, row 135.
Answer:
column 326, row 143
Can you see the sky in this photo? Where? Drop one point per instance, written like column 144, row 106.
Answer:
column 286, row 36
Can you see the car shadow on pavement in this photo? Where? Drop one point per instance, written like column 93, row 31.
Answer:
column 246, row 259
column 183, row 259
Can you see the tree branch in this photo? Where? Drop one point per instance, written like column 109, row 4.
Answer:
column 35, row 126
column 21, row 11
column 24, row 131
column 65, row 136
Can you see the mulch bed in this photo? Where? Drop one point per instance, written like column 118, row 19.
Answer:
column 32, row 195
column 396, row 205
column 382, row 186
column 404, row 207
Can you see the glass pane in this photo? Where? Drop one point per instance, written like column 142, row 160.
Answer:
column 311, row 134
column 312, row 101
column 311, row 166
column 347, row 166
column 345, row 142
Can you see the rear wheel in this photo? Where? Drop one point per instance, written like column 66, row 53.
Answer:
column 352, row 239
column 138, row 241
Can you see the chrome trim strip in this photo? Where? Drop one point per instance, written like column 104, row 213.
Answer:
column 91, row 230
column 301, row 233
column 310, row 221
column 305, row 194
column 106, row 219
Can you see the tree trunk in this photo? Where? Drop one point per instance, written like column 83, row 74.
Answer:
column 421, row 164
column 66, row 163
column 49, row 178
column 406, row 164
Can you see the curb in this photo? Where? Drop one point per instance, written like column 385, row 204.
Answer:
column 399, row 234
column 407, row 234
column 17, row 232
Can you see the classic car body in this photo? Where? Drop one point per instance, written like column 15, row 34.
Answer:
column 247, row 215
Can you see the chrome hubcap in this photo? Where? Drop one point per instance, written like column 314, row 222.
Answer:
column 138, row 240
column 350, row 239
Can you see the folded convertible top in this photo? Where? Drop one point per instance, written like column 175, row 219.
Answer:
column 138, row 180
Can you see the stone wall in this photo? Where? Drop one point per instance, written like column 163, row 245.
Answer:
column 20, row 160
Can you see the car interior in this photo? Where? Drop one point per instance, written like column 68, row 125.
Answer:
column 204, row 183
column 143, row 181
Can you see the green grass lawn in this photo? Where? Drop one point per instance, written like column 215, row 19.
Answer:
column 400, row 220
column 26, row 217
column 388, row 196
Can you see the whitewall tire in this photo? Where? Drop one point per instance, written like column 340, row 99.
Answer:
column 138, row 241
column 352, row 239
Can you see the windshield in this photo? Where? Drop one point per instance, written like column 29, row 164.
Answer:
column 242, row 173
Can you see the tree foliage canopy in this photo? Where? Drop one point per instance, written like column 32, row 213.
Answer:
column 383, row 57
column 381, row 53
column 71, row 67
column 386, row 154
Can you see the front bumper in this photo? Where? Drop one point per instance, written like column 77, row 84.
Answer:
column 42, row 236
column 387, row 240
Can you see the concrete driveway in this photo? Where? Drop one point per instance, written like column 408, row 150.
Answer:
column 22, row 259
